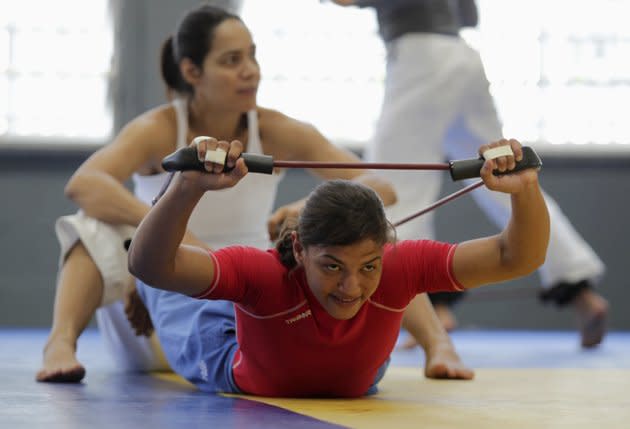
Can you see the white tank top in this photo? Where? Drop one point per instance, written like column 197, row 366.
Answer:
column 236, row 215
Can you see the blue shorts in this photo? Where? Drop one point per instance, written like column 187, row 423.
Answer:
column 198, row 337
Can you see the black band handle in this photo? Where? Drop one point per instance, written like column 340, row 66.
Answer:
column 186, row 159
column 470, row 168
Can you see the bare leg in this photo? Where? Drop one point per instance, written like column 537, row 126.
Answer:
column 446, row 316
column 78, row 295
column 592, row 311
column 441, row 359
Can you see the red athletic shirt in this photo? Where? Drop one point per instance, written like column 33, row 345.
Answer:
column 289, row 346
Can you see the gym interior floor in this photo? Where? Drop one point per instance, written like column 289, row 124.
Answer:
column 523, row 380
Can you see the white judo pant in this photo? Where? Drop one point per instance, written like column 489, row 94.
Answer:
column 437, row 104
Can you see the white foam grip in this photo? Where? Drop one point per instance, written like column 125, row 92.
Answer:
column 496, row 152
column 217, row 156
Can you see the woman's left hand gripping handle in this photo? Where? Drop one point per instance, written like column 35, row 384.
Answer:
column 508, row 153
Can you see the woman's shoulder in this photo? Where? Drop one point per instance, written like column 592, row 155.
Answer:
column 269, row 117
column 274, row 120
column 159, row 125
column 160, row 117
column 150, row 136
column 281, row 134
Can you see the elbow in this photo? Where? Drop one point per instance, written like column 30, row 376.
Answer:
column 535, row 263
column 540, row 260
column 538, row 257
column 392, row 198
column 138, row 266
column 134, row 265
column 73, row 188
column 70, row 191
column 388, row 195
column 144, row 268
column 525, row 268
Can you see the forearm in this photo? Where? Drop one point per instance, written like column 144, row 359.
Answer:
column 152, row 255
column 103, row 197
column 525, row 239
column 423, row 325
column 113, row 203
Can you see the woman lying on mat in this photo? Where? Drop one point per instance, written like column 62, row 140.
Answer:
column 211, row 70
column 318, row 315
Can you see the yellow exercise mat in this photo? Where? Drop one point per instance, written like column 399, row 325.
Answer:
column 497, row 398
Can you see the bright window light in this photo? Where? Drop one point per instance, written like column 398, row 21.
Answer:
column 559, row 70
column 54, row 71
column 321, row 63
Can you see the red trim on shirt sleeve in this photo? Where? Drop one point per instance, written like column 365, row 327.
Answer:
column 215, row 278
column 449, row 268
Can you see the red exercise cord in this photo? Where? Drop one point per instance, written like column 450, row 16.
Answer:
column 360, row 165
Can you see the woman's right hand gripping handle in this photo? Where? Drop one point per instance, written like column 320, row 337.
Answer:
column 222, row 161
column 156, row 255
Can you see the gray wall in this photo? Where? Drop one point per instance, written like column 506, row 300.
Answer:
column 593, row 193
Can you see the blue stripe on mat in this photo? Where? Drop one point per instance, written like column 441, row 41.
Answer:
column 111, row 399
column 529, row 349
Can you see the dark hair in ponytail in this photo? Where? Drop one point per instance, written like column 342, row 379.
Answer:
column 284, row 244
column 192, row 39
column 337, row 213
column 170, row 69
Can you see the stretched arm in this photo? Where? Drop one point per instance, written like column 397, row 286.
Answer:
column 521, row 247
column 157, row 255
column 98, row 185
column 441, row 359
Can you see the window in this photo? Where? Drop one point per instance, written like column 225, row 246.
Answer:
column 319, row 61
column 55, row 59
column 571, row 79
column 559, row 70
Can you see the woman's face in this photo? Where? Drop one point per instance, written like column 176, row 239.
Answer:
column 342, row 278
column 230, row 73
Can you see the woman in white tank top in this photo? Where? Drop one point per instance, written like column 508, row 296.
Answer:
column 210, row 65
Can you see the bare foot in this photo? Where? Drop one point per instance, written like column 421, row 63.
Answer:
column 446, row 316
column 60, row 364
column 592, row 312
column 442, row 361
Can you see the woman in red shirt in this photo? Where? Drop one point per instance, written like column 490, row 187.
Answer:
column 318, row 315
